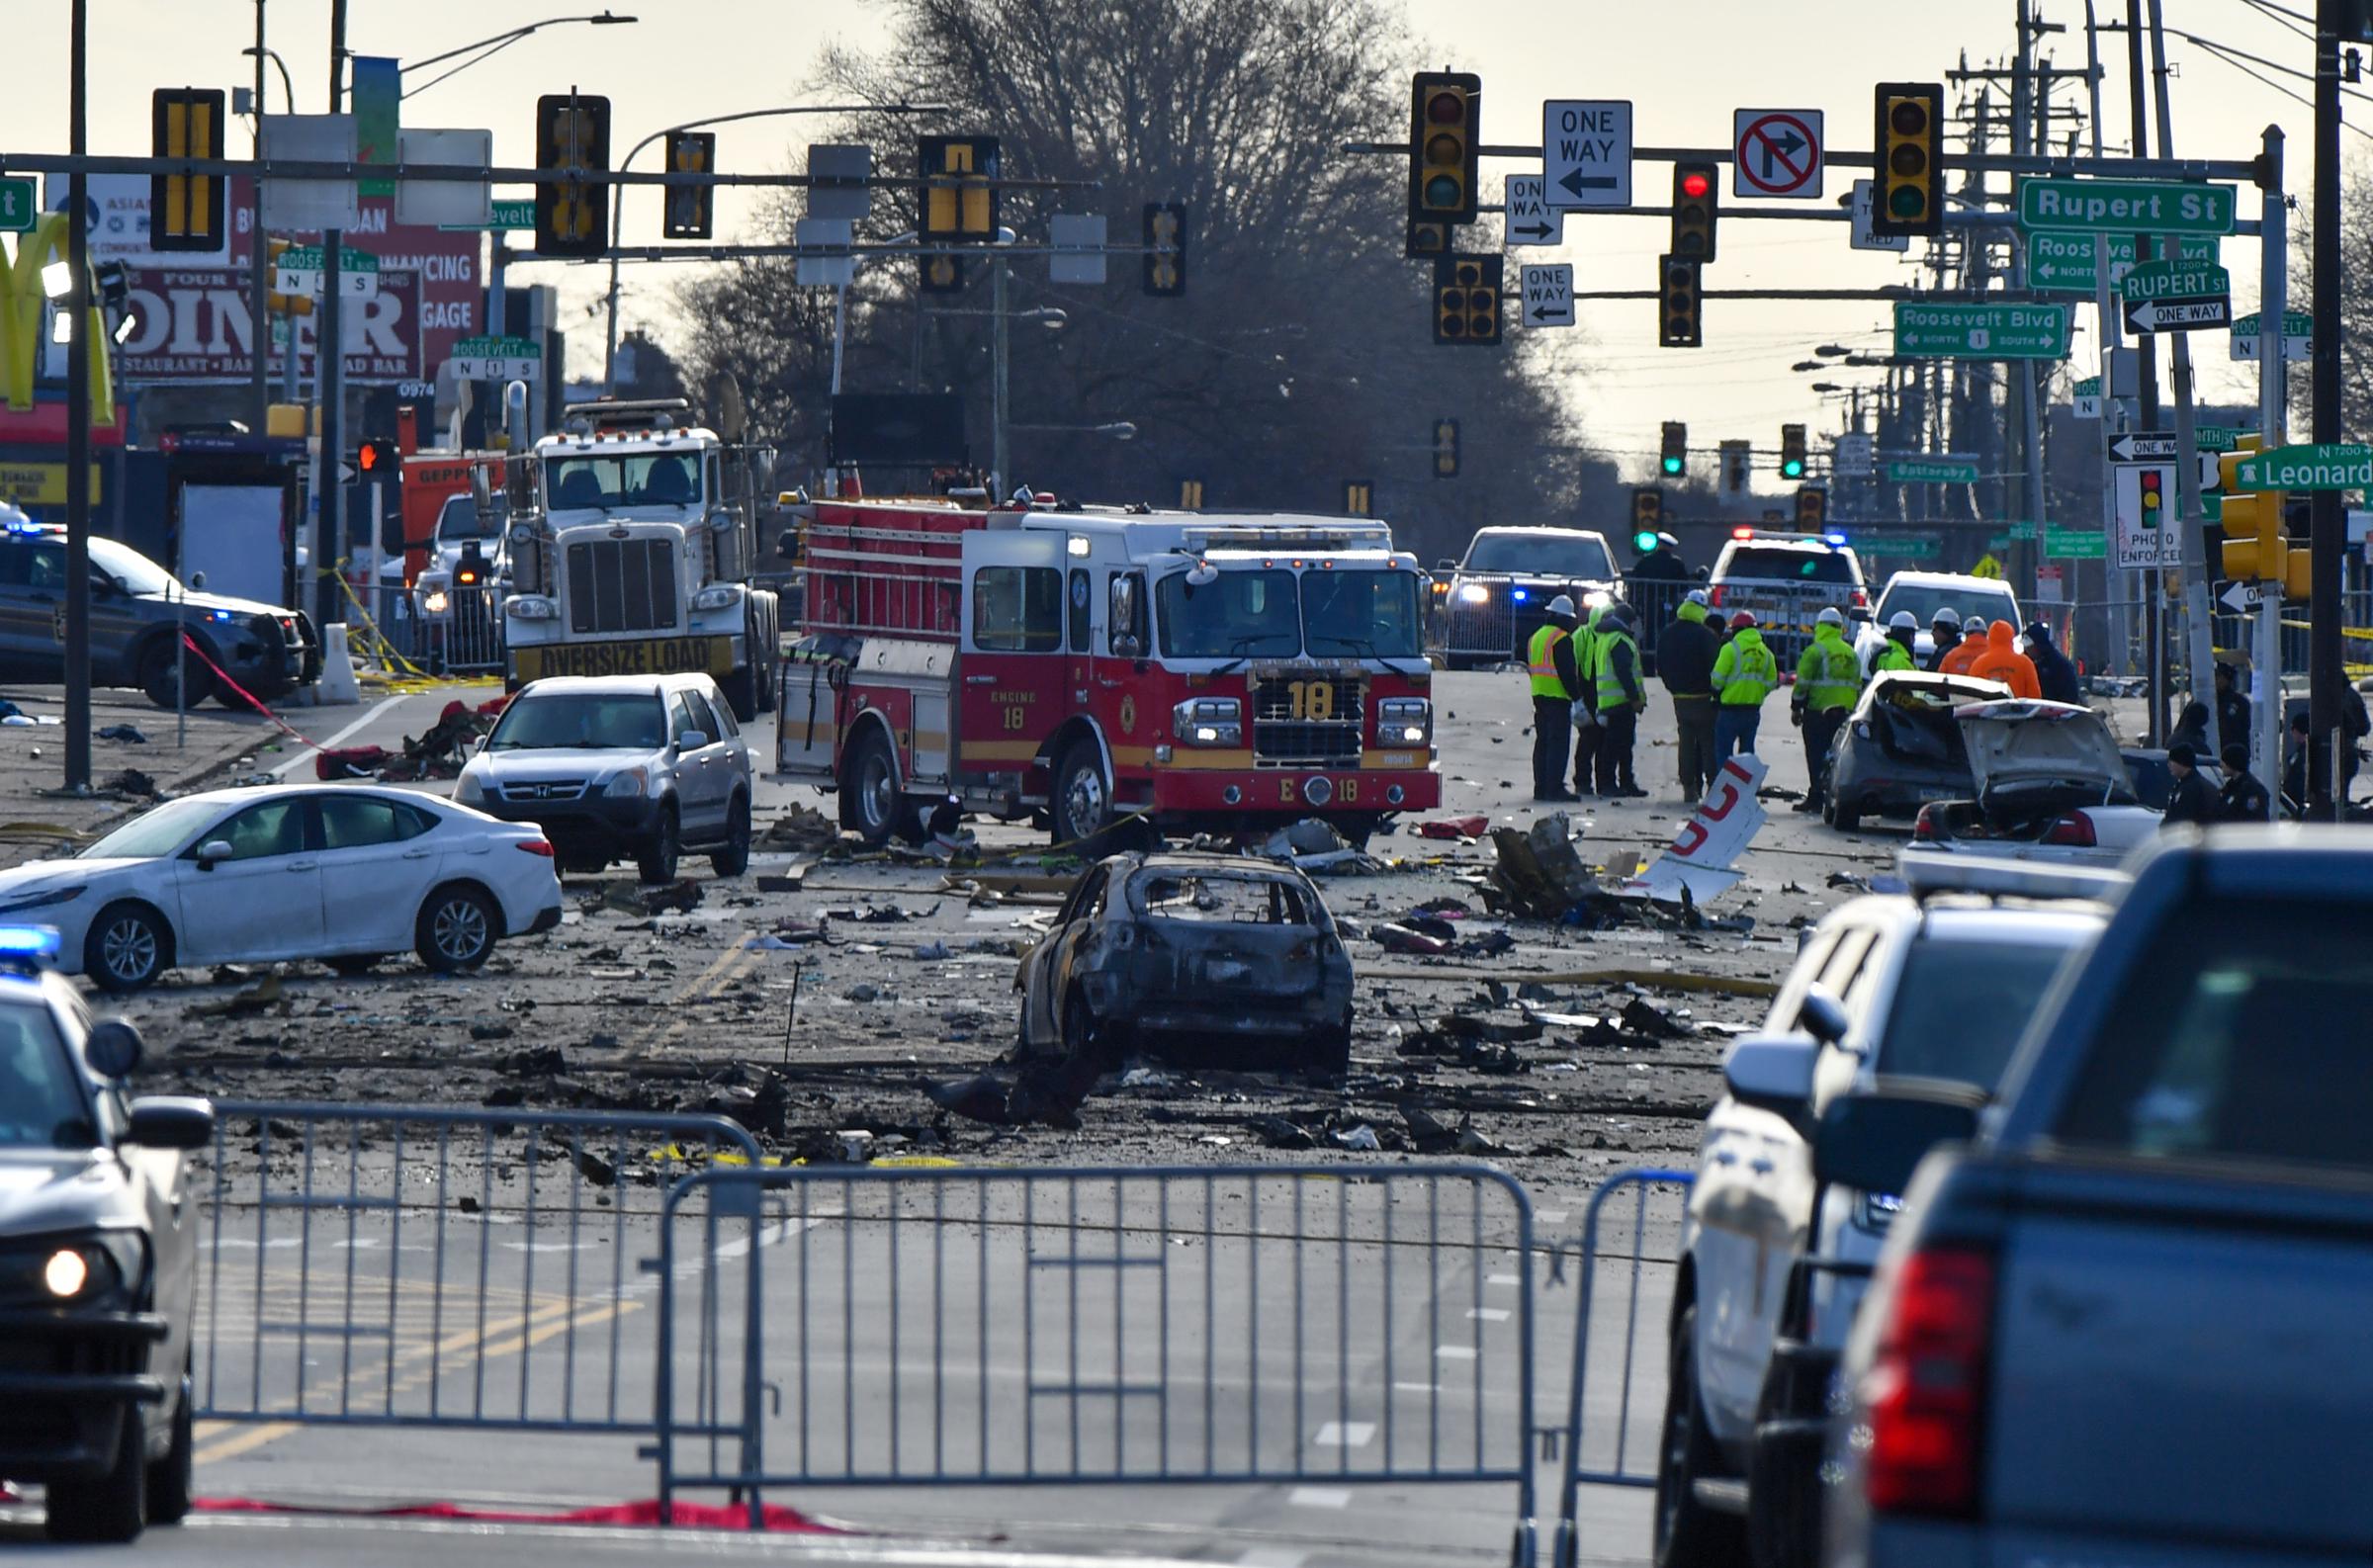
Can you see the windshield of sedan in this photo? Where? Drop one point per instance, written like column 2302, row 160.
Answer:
column 1542, row 555
column 135, row 572
column 155, row 833
column 648, row 478
column 581, row 721
column 1361, row 614
column 461, row 520
column 1961, row 1007
column 41, row 1106
column 1923, row 601
column 1238, row 615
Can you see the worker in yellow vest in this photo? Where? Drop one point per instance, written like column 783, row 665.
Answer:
column 1586, row 711
column 1550, row 665
column 1621, row 692
column 1828, row 682
column 1744, row 674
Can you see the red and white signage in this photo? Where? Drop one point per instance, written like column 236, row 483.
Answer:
column 191, row 326
column 1777, row 153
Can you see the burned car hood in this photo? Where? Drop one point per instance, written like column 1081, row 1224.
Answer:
column 2020, row 743
column 47, row 1190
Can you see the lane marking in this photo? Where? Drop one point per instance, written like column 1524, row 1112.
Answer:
column 1456, row 1353
column 1272, row 1557
column 1320, row 1497
column 1487, row 1314
column 1509, row 1281
column 1417, row 1388
column 238, row 1443
column 1549, row 1217
column 1345, row 1435
column 282, row 770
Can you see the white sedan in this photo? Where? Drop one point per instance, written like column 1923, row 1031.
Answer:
column 348, row 875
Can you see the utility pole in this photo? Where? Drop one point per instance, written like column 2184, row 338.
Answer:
column 259, row 315
column 329, row 376
column 2273, row 419
column 79, row 348
column 2145, row 354
column 2116, row 623
column 2324, row 673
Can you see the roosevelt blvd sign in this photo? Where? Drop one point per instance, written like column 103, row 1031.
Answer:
column 2333, row 465
column 2144, row 207
column 2297, row 326
column 1982, row 331
column 2064, row 263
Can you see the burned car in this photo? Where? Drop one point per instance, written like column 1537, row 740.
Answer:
column 1903, row 748
column 1214, row 960
column 2052, row 785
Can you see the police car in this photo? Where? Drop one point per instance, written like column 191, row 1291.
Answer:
column 98, row 1261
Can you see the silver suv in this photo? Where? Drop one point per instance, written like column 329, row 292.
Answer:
column 618, row 766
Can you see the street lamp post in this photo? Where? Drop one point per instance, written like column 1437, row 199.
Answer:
column 496, row 43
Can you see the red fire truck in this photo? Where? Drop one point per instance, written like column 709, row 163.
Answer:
column 1083, row 665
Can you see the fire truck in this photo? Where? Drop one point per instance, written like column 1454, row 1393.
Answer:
column 631, row 543
column 1087, row 666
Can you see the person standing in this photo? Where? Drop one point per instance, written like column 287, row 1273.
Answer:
column 2002, row 661
column 1620, row 695
column 1829, row 680
column 1685, row 653
column 2055, row 676
column 2191, row 800
column 1586, row 711
column 1903, row 637
column 1550, row 665
column 1943, row 635
column 1744, row 674
column 2233, row 707
column 2243, row 799
column 1973, row 643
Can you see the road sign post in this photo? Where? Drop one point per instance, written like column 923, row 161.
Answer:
column 1982, row 331
column 1586, row 153
column 1775, row 153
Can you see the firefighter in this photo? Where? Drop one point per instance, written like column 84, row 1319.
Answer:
column 1902, row 632
column 1829, row 680
column 1549, row 663
column 1744, row 674
column 1620, row 696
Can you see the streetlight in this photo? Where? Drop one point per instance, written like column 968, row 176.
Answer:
column 259, row 56
column 496, row 44
column 1117, row 430
column 1832, row 350
column 1807, row 364
column 1050, row 317
column 609, row 356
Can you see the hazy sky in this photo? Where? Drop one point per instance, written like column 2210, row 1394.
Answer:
column 1686, row 64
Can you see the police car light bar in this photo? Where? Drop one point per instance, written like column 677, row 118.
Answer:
column 22, row 942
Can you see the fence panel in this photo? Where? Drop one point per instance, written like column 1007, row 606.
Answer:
column 397, row 1265
column 964, row 1326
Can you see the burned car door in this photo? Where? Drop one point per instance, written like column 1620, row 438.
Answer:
column 1048, row 970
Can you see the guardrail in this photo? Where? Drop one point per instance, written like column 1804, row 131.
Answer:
column 453, row 630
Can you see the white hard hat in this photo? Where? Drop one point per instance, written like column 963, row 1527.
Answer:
column 1903, row 621
column 1974, row 626
column 1831, row 616
column 1698, row 597
column 1946, row 615
column 1561, row 605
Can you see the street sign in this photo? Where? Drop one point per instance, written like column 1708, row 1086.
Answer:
column 506, row 214
column 1863, row 238
column 2050, row 584
column 346, row 472
column 1850, row 455
column 2178, row 316
column 2144, row 207
column 2247, row 596
column 470, row 202
column 1982, row 331
column 304, row 207
column 1908, row 547
column 2078, row 543
column 1549, row 295
column 497, row 359
column 2143, row 508
column 2214, row 438
column 839, row 176
column 1776, row 152
column 2064, row 263
column 824, row 260
column 2296, row 327
column 1529, row 220
column 2175, row 280
column 19, row 204
column 1586, row 153
column 1932, row 471
column 2158, row 446
column 1076, row 241
column 2085, row 395
column 2332, row 466
column 2023, row 531
column 301, row 268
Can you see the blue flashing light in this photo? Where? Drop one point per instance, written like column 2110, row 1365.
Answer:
column 1835, row 538
column 222, row 615
column 29, row 941
column 1521, row 595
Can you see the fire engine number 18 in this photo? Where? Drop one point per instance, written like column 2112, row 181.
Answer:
column 1312, row 699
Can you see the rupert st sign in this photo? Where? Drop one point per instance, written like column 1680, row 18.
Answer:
column 2149, row 207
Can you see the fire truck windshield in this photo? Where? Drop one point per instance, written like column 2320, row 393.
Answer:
column 642, row 478
column 1361, row 614
column 1237, row 615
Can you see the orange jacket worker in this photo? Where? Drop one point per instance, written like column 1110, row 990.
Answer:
column 2005, row 663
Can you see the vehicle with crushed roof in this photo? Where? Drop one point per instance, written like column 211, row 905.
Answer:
column 2052, row 784
column 1218, row 960
column 1902, row 748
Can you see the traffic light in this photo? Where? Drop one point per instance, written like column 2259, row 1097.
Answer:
column 2258, row 546
column 691, row 209
column 1191, row 495
column 1444, row 107
column 1791, row 452
column 940, row 274
column 186, row 210
column 1165, row 248
column 573, row 214
column 1909, row 139
column 1359, row 498
column 1676, row 321
column 1467, row 298
column 1812, row 508
column 1676, row 447
column 1647, row 517
column 1446, row 449
column 377, row 460
column 963, row 210
column 1696, row 191
column 1736, row 457
column 275, row 301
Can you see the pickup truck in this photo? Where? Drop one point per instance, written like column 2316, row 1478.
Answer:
column 2128, row 1324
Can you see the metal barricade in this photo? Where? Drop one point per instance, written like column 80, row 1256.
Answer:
column 1608, row 1440
column 421, row 1266
column 1072, row 1326
column 1481, row 624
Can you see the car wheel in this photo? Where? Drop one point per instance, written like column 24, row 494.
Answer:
column 458, row 927
column 169, row 1477
column 160, row 677
column 109, row 1508
column 353, row 964
column 1688, row 1535
column 127, row 948
column 1081, row 807
column 869, row 798
column 1845, row 818
column 1331, row 1050
column 657, row 860
column 1784, row 1528
column 734, row 858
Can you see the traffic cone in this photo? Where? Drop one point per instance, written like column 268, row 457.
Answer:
column 337, row 686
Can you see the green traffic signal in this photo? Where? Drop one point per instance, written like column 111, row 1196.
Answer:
column 1791, row 469
column 1672, row 465
column 1644, row 541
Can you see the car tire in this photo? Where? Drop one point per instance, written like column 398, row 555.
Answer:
column 128, row 948
column 109, row 1508
column 1081, row 807
column 656, row 861
column 169, row 1477
column 734, row 858
column 1845, row 818
column 869, row 799
column 1331, row 1050
column 354, row 965
column 457, row 929
column 157, row 677
column 1688, row 1535
column 1782, row 1513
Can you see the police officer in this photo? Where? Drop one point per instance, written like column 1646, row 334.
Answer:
column 1549, row 664
column 1614, row 652
column 1944, row 632
column 1829, row 680
column 2243, row 799
column 1902, row 631
column 1744, row 674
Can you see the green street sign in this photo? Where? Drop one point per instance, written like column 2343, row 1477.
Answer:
column 2064, row 263
column 1931, row 470
column 1998, row 542
column 1908, row 547
column 2175, row 280
column 2333, row 465
column 2298, row 330
column 507, row 215
column 19, row 206
column 2090, row 387
column 2022, row 531
column 309, row 258
column 2214, row 438
column 2080, row 544
column 1982, row 331
column 2144, row 207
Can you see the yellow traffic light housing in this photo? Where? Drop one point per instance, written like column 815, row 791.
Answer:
column 573, row 214
column 2254, row 544
column 1812, row 509
column 1165, row 248
column 690, row 210
column 186, row 210
column 1909, row 139
column 963, row 207
column 1446, row 449
column 1467, row 298
column 1359, row 498
column 1445, row 108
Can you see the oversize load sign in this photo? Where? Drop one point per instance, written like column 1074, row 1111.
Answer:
column 664, row 656
column 2151, row 207
column 1982, row 331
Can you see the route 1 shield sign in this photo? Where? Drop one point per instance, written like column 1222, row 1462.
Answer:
column 1777, row 152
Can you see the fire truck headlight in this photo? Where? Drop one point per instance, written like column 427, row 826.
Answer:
column 1404, row 721
column 1208, row 722
column 1473, row 594
column 717, row 596
column 530, row 607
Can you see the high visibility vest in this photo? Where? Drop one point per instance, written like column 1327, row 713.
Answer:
column 1541, row 663
column 1829, row 675
column 1747, row 671
column 1611, row 686
column 1892, row 655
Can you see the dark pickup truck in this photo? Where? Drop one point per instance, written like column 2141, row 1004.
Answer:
column 2131, row 1322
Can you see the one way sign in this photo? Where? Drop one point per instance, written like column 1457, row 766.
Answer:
column 1527, row 220
column 1549, row 294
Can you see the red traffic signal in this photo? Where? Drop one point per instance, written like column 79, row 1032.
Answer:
column 377, row 460
column 1693, row 183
